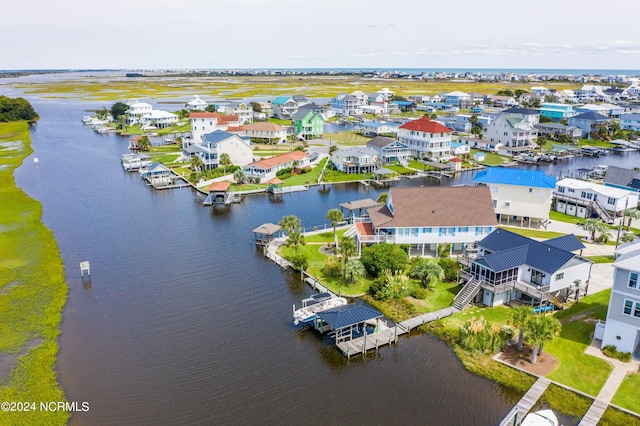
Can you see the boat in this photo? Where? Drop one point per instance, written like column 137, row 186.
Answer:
column 540, row 418
column 314, row 304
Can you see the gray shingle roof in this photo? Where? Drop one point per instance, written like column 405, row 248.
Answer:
column 620, row 176
column 381, row 141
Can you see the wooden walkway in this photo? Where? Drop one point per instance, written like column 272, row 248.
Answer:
column 526, row 402
column 390, row 335
column 595, row 412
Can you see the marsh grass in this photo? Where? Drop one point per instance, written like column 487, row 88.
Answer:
column 32, row 292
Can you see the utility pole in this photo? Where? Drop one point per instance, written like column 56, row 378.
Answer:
column 621, row 221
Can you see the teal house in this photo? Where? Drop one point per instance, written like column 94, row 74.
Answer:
column 307, row 124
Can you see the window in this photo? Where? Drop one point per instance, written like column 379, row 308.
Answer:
column 530, row 190
column 636, row 311
column 561, row 189
column 633, row 280
column 628, row 305
column 572, row 190
column 611, row 201
column 507, row 204
column 559, row 276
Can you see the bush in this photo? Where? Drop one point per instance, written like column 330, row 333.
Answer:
column 333, row 267
column 450, row 268
column 379, row 257
column 299, row 261
column 380, row 289
column 612, row 352
column 419, row 292
column 283, row 172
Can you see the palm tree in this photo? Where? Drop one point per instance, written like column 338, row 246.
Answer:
column 335, row 216
column 539, row 330
column 347, row 248
column 239, row 176
column 225, row 161
column 595, row 225
column 519, row 317
column 382, row 198
column 427, row 272
column 144, row 143
column 354, row 269
column 196, row 163
column 295, row 240
column 290, row 223
column 632, row 214
column 552, row 328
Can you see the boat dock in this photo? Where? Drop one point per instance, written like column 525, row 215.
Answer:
column 527, row 402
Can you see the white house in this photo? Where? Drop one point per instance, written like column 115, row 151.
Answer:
column 630, row 122
column 267, row 168
column 159, row 119
column 457, row 99
column 512, row 130
column 480, row 144
column 213, row 145
column 379, row 128
column 136, row 111
column 459, row 149
column 196, row 104
column 513, row 267
column 243, row 110
column 390, row 150
column 622, row 327
column 581, row 198
column 426, row 138
column 428, row 218
column 519, row 196
column 284, row 107
column 206, row 122
column 266, row 131
column 344, row 104
column 357, row 159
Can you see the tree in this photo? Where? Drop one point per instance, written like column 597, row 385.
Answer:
column 335, row 216
column 427, row 272
column 519, row 317
column 102, row 114
column 256, row 106
column 122, row 122
column 295, row 240
column 595, row 226
column 552, row 328
column 144, row 143
column 382, row 198
column 632, row 214
column 545, row 119
column 300, row 262
column 332, row 149
column 627, row 237
column 118, row 110
column 379, row 257
column 225, row 161
column 473, row 119
column 564, row 138
column 239, row 176
column 519, row 92
column 196, row 163
column 434, row 116
column 476, row 130
column 16, row 109
column 347, row 248
column 290, row 223
column 183, row 113
column 539, row 330
column 354, row 269
column 210, row 108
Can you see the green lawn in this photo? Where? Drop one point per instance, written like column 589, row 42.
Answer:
column 348, row 138
column 33, row 290
column 491, row 158
column 601, row 259
column 439, row 297
column 400, row 169
column 627, row 394
column 497, row 315
column 533, row 233
column 325, row 237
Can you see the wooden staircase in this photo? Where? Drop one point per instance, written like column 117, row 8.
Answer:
column 468, row 292
column 604, row 215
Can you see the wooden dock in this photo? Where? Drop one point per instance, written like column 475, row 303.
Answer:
column 414, row 322
column 594, row 414
column 527, row 402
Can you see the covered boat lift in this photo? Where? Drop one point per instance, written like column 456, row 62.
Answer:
column 264, row 234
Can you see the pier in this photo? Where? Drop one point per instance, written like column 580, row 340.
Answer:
column 525, row 404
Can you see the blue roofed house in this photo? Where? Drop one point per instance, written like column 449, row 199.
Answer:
column 284, row 107
column 459, row 148
column 513, row 267
column 519, row 196
column 390, row 150
column 556, row 112
column 379, row 128
column 622, row 178
column 590, row 122
column 630, row 122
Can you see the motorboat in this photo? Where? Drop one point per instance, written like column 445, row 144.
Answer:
column 540, row 418
column 314, row 304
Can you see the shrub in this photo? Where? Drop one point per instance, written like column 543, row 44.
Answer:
column 379, row 257
column 333, row 267
column 283, row 172
column 419, row 292
column 380, row 289
column 612, row 352
column 450, row 268
column 299, row 261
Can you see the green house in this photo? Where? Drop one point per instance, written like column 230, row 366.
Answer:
column 307, row 124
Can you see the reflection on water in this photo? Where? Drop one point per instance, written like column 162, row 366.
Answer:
column 186, row 322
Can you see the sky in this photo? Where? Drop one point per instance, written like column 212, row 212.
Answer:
column 243, row 34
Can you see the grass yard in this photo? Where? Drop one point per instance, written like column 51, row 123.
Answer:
column 33, row 291
column 348, row 138
column 627, row 394
column 491, row 158
column 533, row 233
column 601, row 259
column 325, row 237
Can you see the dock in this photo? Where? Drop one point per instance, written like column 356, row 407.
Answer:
column 527, row 402
column 594, row 413
column 414, row 322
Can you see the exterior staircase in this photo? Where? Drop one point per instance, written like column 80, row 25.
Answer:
column 604, row 215
column 403, row 161
column 555, row 301
column 468, row 292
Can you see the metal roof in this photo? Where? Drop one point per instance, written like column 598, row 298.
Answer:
column 217, row 136
column 348, row 315
column 566, row 242
column 510, row 176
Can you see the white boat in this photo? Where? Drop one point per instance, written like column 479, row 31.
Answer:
column 314, row 304
column 540, row 418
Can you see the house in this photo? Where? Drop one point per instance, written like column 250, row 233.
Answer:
column 630, row 122
column 589, row 122
column 196, row 104
column 405, row 106
column 622, row 326
column 346, row 105
column 356, row 159
column 136, row 111
column 459, row 148
column 518, row 195
column 159, row 175
column 390, row 150
column 501, row 101
column 205, row 122
column 213, row 145
column 514, row 131
column 426, row 138
column 428, row 218
column 458, row 99
column 553, row 130
column 513, row 267
column 284, row 107
column 243, row 110
column 307, row 124
column 265, row 131
column 379, row 128
column 361, row 97
column 385, row 94
column 530, row 115
column 618, row 177
column 266, row 169
column 583, row 199
column 556, row 112
column 481, row 144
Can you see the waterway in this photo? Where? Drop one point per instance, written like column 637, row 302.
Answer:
column 185, row 322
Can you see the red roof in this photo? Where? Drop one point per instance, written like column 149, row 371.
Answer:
column 219, row 186
column 230, row 117
column 267, row 163
column 456, row 160
column 232, row 129
column 425, row 125
column 204, row 115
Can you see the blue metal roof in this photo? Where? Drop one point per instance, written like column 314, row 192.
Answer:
column 280, row 100
column 347, row 315
column 217, row 136
column 511, row 176
column 403, row 103
column 566, row 243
